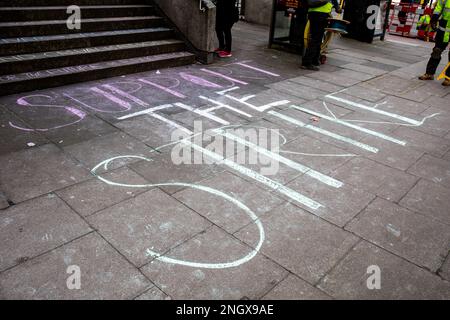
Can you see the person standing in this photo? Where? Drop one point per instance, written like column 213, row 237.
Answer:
column 226, row 16
column 318, row 21
column 441, row 21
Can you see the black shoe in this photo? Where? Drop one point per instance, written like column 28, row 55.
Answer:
column 316, row 64
column 310, row 67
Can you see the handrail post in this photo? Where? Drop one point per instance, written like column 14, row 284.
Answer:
column 202, row 9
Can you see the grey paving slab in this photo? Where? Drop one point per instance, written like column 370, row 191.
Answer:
column 302, row 243
column 354, row 53
column 334, row 78
column 393, row 85
column 287, row 133
column 371, row 121
column 94, row 195
column 153, row 294
column 446, row 156
column 390, row 61
column 400, row 280
column 56, row 117
column 327, row 131
column 392, row 154
column 256, row 98
column 435, row 88
column 388, row 183
column 344, row 96
column 435, row 122
column 152, row 220
column 419, row 94
column 438, row 103
column 119, row 144
column 433, row 169
column 272, row 95
column 12, row 139
column 294, row 288
column 317, row 84
column 36, row 226
column 147, row 129
column 222, row 118
column 429, row 199
column 30, row 173
column 363, row 68
column 336, row 62
column 267, row 166
column 339, row 205
column 315, row 154
column 402, row 232
column 444, row 271
column 3, row 201
column 379, row 65
column 357, row 75
column 250, row 280
column 420, row 141
column 163, row 170
column 105, row 274
column 399, row 105
column 327, row 107
column 295, row 89
column 367, row 94
column 349, row 60
column 221, row 211
column 91, row 127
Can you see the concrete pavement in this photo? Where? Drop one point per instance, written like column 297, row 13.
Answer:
column 364, row 181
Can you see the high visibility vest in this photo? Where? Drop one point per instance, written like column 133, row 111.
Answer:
column 326, row 8
column 424, row 20
column 443, row 9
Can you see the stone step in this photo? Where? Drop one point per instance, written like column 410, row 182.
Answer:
column 29, row 3
column 24, row 45
column 54, row 27
column 11, row 14
column 57, row 59
column 15, row 83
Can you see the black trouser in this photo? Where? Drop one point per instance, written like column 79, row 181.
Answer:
column 223, row 31
column 439, row 47
column 318, row 21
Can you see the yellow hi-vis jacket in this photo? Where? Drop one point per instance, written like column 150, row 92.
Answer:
column 326, row 8
column 423, row 22
column 443, row 9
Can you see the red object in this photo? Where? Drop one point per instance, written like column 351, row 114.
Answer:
column 225, row 54
column 403, row 21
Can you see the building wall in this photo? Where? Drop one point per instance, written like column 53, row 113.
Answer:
column 258, row 11
column 197, row 26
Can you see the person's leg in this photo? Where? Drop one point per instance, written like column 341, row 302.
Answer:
column 228, row 39
column 322, row 24
column 318, row 23
column 220, row 36
column 447, row 72
column 435, row 58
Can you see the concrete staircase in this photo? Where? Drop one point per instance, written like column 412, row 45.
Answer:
column 38, row 50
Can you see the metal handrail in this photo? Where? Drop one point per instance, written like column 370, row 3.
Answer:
column 205, row 5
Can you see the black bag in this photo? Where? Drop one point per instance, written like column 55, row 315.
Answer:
column 317, row 3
